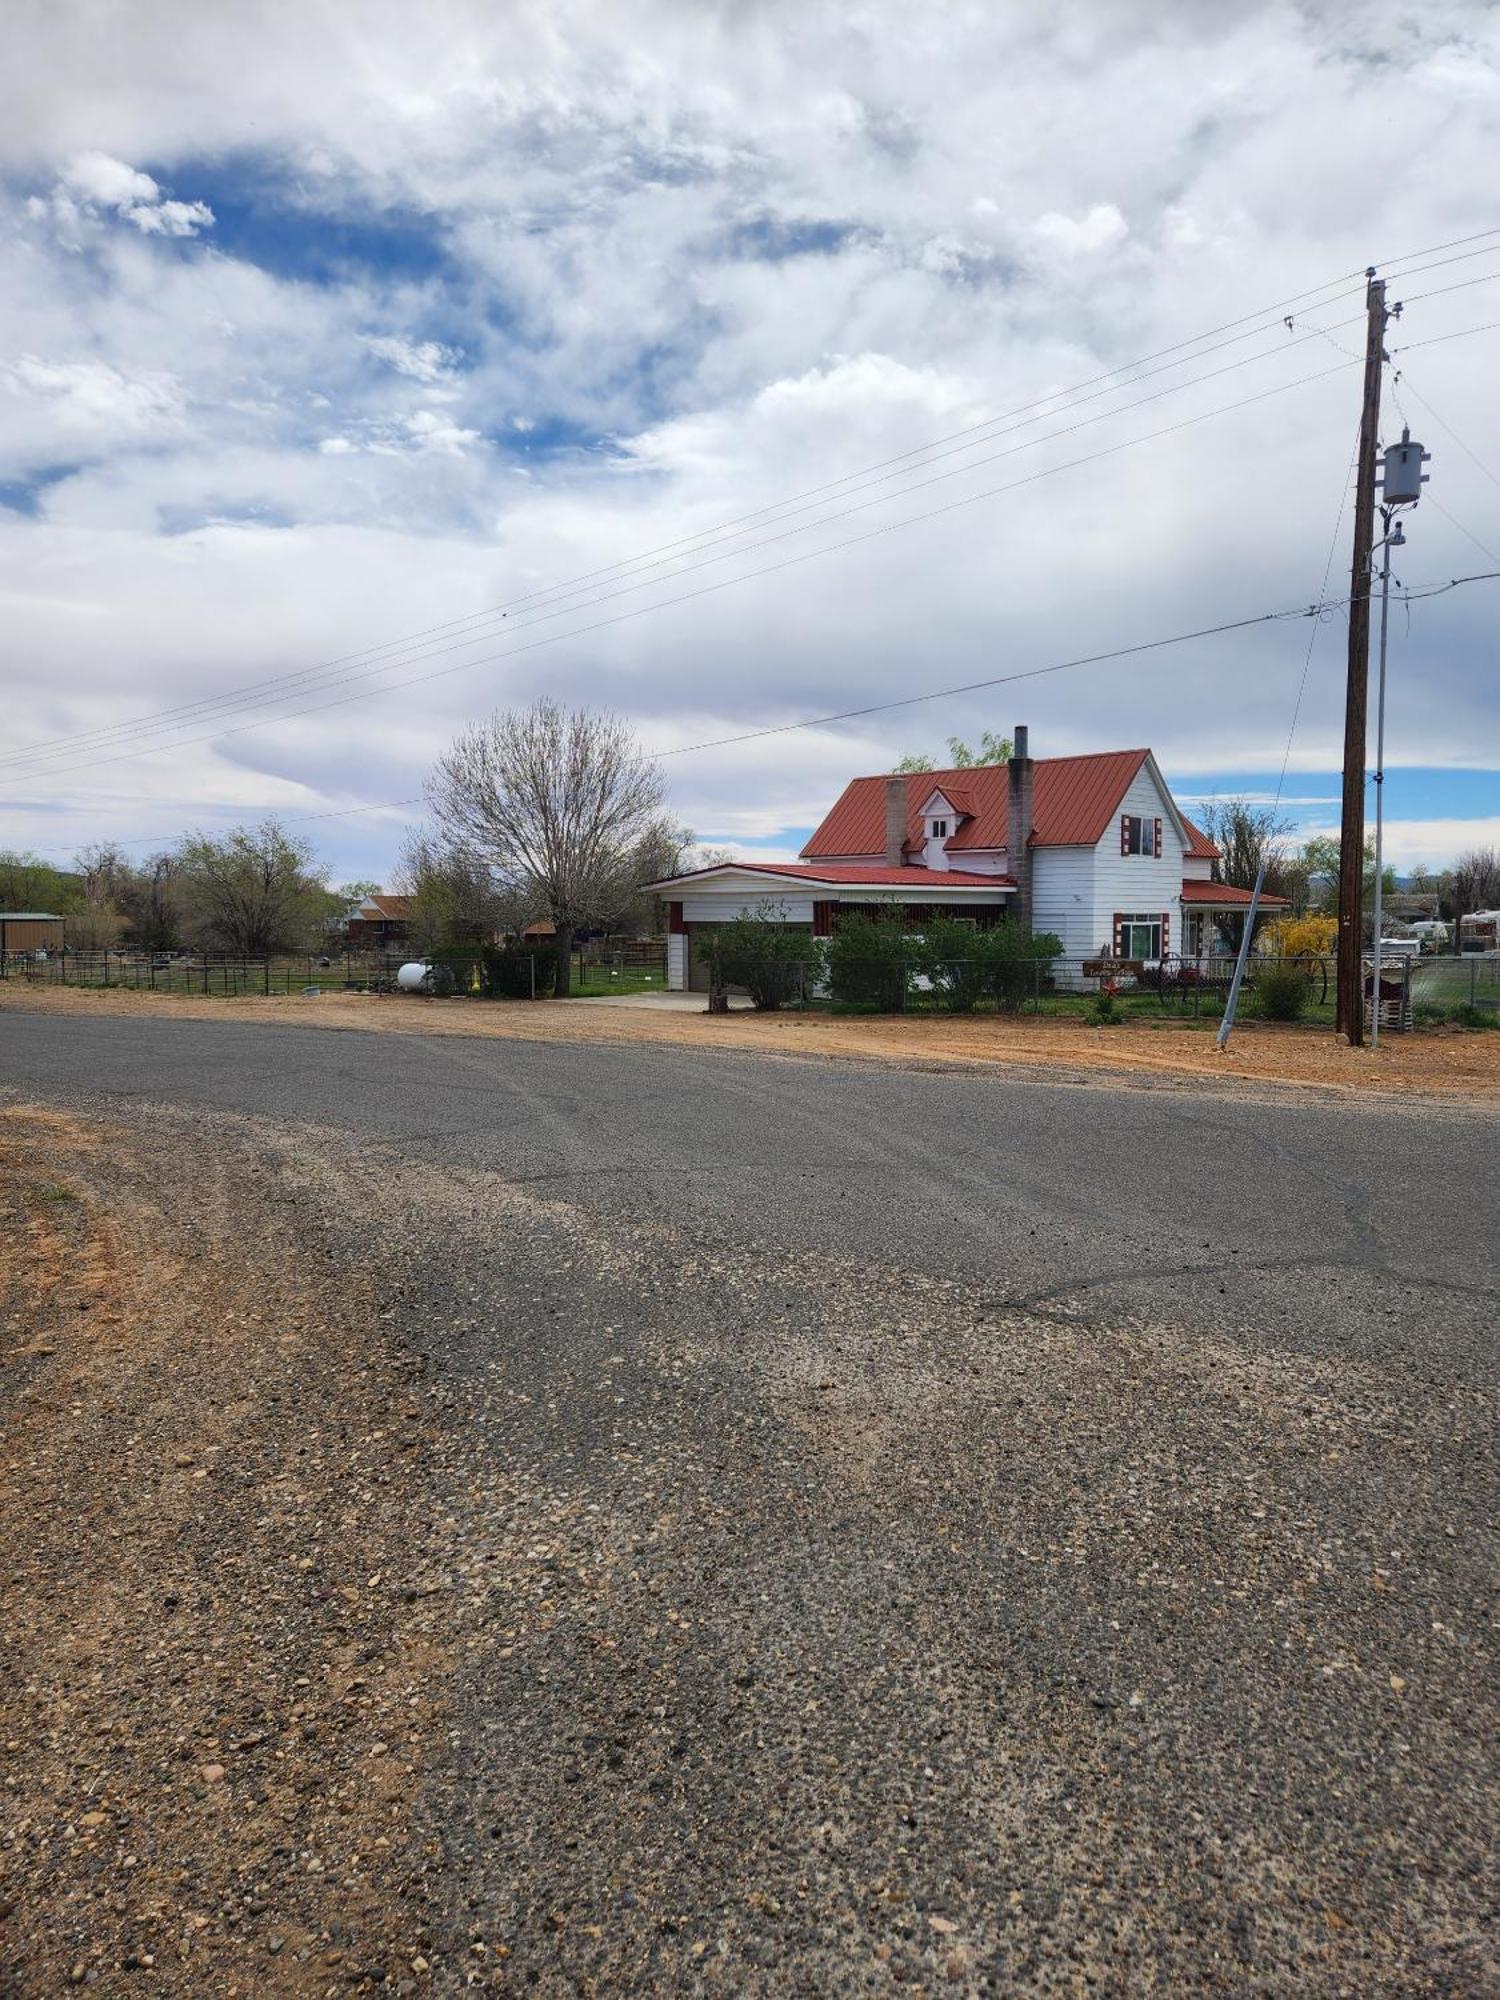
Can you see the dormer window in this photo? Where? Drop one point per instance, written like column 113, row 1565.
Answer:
column 937, row 829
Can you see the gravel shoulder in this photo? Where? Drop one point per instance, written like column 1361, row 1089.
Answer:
column 1455, row 1065
column 419, row 1577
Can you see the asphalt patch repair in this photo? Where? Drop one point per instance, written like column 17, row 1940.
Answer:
column 414, row 1582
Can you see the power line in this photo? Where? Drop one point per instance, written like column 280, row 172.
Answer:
column 1462, row 333
column 306, row 676
column 1314, row 611
column 788, row 562
column 403, row 653
column 1404, row 381
column 39, row 760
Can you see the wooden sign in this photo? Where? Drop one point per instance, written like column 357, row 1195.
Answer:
column 1113, row 968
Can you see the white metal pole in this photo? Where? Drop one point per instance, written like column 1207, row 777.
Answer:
column 1385, row 608
column 1231, row 1005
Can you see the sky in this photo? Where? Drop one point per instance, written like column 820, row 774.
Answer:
column 365, row 370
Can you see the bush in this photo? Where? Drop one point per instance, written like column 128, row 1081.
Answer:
column 506, row 974
column 1299, row 937
column 1462, row 1015
column 1104, row 1012
column 771, row 962
column 1281, row 992
column 868, row 961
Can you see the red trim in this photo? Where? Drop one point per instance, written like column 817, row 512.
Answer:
column 1158, row 840
column 1124, row 833
column 1166, row 921
column 822, row 920
column 1119, row 943
column 674, row 920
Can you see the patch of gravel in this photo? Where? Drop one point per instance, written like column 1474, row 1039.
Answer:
column 734, row 1621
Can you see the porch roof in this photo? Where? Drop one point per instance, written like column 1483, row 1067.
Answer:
column 1224, row 896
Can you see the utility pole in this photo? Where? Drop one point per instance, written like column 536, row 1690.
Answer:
column 1351, row 983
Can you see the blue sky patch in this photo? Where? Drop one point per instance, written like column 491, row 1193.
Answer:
column 296, row 229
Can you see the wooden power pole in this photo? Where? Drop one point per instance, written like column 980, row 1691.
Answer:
column 1351, row 941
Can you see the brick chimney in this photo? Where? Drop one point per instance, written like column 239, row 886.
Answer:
column 895, row 821
column 1020, row 775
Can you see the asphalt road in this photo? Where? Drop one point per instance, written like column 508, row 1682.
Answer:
column 1007, row 1536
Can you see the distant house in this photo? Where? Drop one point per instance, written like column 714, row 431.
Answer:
column 379, row 921
column 1094, row 849
column 30, row 930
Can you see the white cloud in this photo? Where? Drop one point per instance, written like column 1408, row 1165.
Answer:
column 95, row 180
column 422, row 360
column 92, row 400
column 716, row 267
column 1078, row 236
column 109, row 183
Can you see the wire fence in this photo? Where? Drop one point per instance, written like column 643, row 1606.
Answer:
column 596, row 968
column 1412, row 990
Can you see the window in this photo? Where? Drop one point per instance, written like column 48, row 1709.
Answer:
column 1138, row 937
column 940, row 829
column 1139, row 835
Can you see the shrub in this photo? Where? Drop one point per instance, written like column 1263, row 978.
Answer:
column 951, row 955
column 1015, row 963
column 868, row 960
column 1105, row 1010
column 771, row 962
column 1281, row 992
column 506, row 974
column 1300, row 937
column 967, row 965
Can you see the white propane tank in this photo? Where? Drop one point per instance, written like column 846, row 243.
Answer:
column 1402, row 477
column 412, row 978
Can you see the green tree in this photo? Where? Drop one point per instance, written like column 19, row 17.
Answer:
column 29, row 883
column 255, row 890
column 992, row 750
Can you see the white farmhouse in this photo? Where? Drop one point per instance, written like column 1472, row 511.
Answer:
column 1093, row 849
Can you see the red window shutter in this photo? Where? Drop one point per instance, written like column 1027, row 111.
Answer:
column 1124, row 833
column 1119, row 947
column 1166, row 927
column 1158, row 840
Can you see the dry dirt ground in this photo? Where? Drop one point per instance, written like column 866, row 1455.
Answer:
column 413, row 1580
column 214, row 1707
column 1450, row 1064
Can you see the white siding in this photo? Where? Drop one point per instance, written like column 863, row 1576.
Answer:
column 722, row 906
column 1138, row 883
column 677, row 963
column 1197, row 869
column 1062, row 897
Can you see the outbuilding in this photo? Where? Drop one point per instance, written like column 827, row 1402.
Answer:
column 29, row 930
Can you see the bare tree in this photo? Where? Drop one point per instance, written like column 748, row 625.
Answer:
column 152, row 903
column 556, row 803
column 1475, row 886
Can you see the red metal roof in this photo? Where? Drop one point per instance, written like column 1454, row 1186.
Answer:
column 1200, row 847
column 855, row 876
column 1222, row 896
column 1072, row 803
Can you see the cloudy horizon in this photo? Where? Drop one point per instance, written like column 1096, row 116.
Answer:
column 320, row 330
